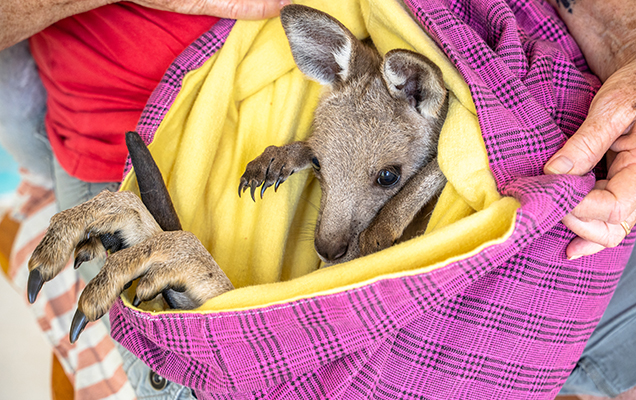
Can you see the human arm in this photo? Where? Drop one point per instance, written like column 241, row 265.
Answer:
column 605, row 31
column 20, row 19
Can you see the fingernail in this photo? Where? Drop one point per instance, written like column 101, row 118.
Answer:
column 560, row 165
column 572, row 258
column 283, row 3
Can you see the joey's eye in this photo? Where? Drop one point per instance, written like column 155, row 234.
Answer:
column 315, row 164
column 389, row 176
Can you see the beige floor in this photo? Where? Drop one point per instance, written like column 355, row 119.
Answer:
column 25, row 357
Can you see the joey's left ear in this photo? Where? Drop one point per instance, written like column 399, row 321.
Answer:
column 414, row 78
column 322, row 47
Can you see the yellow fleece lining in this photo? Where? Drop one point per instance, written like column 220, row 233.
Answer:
column 250, row 95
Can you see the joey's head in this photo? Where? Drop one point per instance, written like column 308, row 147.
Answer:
column 376, row 124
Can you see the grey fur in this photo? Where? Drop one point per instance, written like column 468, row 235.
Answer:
column 379, row 114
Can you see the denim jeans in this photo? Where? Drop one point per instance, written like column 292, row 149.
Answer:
column 607, row 366
column 22, row 109
column 22, row 134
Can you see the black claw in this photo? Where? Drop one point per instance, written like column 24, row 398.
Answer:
column 77, row 326
column 34, row 285
column 278, row 182
column 252, row 191
column 81, row 257
column 240, row 187
column 263, row 190
column 136, row 301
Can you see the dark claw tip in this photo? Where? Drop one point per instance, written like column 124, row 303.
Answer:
column 77, row 326
column 136, row 302
column 252, row 191
column 34, row 285
column 78, row 261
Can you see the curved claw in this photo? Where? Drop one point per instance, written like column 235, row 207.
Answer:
column 136, row 301
column 77, row 326
column 82, row 257
column 265, row 186
column 253, row 190
column 34, row 284
column 278, row 182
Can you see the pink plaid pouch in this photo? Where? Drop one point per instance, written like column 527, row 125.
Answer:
column 507, row 323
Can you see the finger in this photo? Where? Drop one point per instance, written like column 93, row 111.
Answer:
column 626, row 141
column 611, row 113
column 620, row 161
column 244, row 9
column 580, row 247
column 594, row 236
column 602, row 233
column 233, row 9
column 613, row 203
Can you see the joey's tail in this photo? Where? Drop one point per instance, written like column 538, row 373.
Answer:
column 154, row 193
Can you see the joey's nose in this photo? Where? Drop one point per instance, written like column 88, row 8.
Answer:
column 331, row 251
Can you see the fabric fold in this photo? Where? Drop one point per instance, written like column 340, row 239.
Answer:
column 484, row 305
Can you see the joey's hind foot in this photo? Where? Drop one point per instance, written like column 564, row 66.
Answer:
column 169, row 261
column 109, row 221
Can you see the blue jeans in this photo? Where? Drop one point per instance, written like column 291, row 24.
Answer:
column 607, row 366
column 22, row 109
column 22, row 134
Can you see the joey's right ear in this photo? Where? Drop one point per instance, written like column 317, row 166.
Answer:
column 322, row 47
column 416, row 79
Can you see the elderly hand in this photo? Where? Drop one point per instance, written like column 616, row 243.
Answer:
column 20, row 19
column 235, row 9
column 608, row 212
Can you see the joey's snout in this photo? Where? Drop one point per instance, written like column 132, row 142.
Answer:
column 331, row 251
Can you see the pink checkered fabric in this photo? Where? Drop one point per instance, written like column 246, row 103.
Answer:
column 507, row 323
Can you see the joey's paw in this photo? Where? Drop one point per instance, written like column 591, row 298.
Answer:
column 375, row 238
column 173, row 263
column 273, row 167
column 270, row 168
column 108, row 222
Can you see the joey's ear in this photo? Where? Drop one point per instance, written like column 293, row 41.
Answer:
column 415, row 78
column 322, row 47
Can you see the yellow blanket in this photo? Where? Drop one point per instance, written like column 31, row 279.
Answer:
column 250, row 95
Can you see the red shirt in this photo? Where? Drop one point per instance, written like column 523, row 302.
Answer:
column 99, row 69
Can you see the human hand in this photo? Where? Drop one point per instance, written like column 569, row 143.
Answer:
column 604, row 32
column 608, row 212
column 234, row 9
